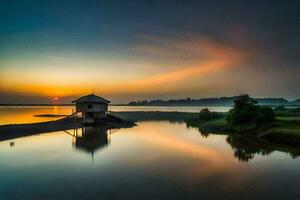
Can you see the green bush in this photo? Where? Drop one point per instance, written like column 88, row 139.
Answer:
column 280, row 108
column 263, row 115
column 245, row 112
column 206, row 115
column 295, row 110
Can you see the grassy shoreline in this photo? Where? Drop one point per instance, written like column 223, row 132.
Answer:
column 284, row 129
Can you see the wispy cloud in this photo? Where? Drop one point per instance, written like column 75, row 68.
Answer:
column 193, row 57
column 51, row 57
column 209, row 56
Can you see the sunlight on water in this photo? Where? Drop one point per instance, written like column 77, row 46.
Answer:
column 25, row 114
column 163, row 159
column 167, row 108
column 153, row 160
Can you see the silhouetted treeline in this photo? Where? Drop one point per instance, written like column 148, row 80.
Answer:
column 220, row 101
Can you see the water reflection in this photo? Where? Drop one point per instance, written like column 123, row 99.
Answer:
column 179, row 162
column 26, row 114
column 90, row 138
column 245, row 147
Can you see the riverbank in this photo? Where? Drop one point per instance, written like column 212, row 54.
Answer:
column 285, row 129
column 12, row 131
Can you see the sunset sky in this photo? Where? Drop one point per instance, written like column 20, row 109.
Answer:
column 133, row 50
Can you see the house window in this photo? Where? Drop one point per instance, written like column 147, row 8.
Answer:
column 89, row 106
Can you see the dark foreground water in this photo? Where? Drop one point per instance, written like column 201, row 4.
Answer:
column 154, row 160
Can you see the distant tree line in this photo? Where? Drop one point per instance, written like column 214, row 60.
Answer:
column 221, row 101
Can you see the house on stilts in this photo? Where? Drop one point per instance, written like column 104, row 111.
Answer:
column 94, row 109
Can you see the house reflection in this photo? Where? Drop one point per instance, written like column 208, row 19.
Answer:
column 90, row 139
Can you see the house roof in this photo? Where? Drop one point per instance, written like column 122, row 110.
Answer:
column 91, row 98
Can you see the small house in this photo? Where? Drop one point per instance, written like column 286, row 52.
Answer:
column 93, row 108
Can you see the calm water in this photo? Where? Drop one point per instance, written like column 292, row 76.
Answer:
column 154, row 160
column 25, row 114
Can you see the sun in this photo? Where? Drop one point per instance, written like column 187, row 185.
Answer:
column 55, row 98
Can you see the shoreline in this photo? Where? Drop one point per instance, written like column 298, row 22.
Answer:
column 13, row 131
column 215, row 126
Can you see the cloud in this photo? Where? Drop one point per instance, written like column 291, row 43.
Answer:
column 192, row 57
column 209, row 56
column 51, row 57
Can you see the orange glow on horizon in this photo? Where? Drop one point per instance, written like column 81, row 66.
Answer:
column 219, row 57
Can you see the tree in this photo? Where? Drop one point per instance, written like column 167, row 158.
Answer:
column 245, row 112
column 206, row 115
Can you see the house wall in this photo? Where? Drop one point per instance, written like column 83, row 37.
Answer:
column 91, row 107
column 93, row 117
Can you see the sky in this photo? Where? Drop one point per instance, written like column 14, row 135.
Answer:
column 55, row 51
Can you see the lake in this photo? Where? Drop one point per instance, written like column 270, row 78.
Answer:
column 25, row 114
column 153, row 160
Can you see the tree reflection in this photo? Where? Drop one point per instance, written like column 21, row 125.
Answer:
column 295, row 155
column 203, row 132
column 245, row 149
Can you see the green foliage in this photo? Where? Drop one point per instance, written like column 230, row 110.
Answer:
column 207, row 122
column 280, row 108
column 246, row 112
column 206, row 115
column 211, row 126
column 295, row 110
